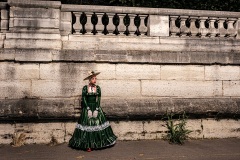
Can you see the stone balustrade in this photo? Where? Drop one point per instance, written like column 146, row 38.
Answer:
column 105, row 20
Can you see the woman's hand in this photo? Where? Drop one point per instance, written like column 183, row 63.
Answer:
column 90, row 114
column 95, row 114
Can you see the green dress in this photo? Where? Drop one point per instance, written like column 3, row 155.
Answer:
column 92, row 131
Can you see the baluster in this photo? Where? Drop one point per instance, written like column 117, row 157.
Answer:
column 212, row 31
column 174, row 30
column 231, row 31
column 110, row 26
column 121, row 27
column 143, row 27
column 184, row 30
column 99, row 27
column 4, row 20
column 89, row 25
column 203, row 30
column 116, row 22
column 221, row 29
column 77, row 25
column 193, row 28
column 132, row 28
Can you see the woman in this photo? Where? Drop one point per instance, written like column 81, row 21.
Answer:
column 93, row 131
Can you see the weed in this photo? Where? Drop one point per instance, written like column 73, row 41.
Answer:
column 177, row 131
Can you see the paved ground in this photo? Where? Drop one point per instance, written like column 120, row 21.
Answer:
column 217, row 149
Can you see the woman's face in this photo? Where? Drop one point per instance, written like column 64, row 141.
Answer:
column 93, row 80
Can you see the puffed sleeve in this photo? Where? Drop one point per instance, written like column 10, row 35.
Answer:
column 84, row 93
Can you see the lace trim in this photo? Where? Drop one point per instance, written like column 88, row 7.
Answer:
column 93, row 128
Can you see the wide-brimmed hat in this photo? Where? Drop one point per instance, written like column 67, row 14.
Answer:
column 91, row 74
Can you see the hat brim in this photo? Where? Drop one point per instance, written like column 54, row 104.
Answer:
column 88, row 77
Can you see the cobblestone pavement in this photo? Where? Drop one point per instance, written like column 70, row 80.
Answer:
column 216, row 149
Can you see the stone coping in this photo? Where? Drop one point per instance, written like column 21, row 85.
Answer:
column 152, row 11
column 34, row 4
column 34, row 110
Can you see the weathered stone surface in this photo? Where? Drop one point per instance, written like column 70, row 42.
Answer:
column 120, row 88
column 115, row 39
column 181, row 88
column 66, row 28
column 217, row 72
column 34, row 55
column 128, row 130
column 158, row 26
column 38, row 133
column 126, row 71
column 35, row 13
column 75, row 71
column 41, row 132
column 12, row 89
column 32, row 36
column 7, row 54
column 14, row 71
column 34, row 4
column 32, row 44
column 55, row 109
column 6, row 133
column 231, row 88
column 35, row 23
column 74, row 55
column 182, row 72
column 59, row 88
column 39, row 110
column 221, row 128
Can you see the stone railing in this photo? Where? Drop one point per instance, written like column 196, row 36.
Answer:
column 129, row 21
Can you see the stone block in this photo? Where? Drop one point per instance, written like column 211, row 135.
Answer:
column 182, row 72
column 75, row 55
column 32, row 44
column 186, row 89
column 154, row 129
column 195, row 126
column 217, row 72
column 15, row 89
column 115, row 39
column 129, row 130
column 34, row 55
column 70, row 127
column 120, row 88
column 45, row 13
column 66, row 16
column 41, row 133
column 210, row 57
column 135, row 71
column 158, row 25
column 35, row 23
column 75, row 71
column 59, row 88
column 111, row 56
column 66, row 27
column 6, row 54
column 6, row 133
column 32, row 36
column 13, row 71
column 221, row 129
column 231, row 88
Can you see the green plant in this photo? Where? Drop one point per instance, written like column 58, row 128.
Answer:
column 177, row 131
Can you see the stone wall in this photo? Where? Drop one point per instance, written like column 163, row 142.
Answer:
column 44, row 56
